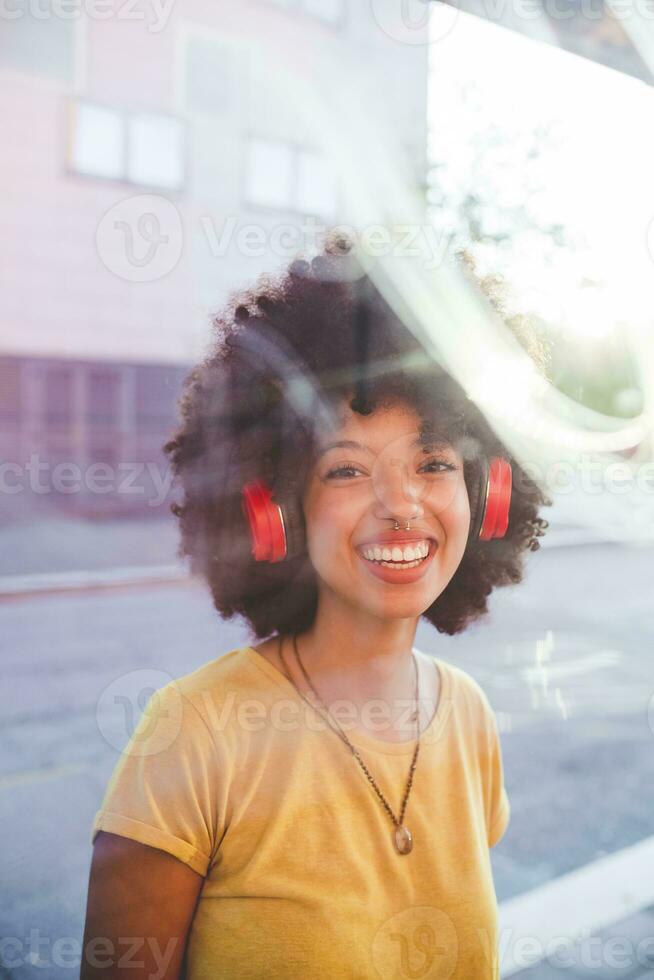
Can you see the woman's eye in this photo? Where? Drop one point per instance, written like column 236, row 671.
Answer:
column 340, row 471
column 347, row 470
column 446, row 467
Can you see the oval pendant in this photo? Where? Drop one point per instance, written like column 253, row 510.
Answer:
column 403, row 840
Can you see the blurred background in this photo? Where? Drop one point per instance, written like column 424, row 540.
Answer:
column 158, row 155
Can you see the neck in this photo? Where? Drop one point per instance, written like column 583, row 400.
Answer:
column 350, row 650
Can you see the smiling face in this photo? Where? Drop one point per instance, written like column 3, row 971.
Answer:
column 373, row 471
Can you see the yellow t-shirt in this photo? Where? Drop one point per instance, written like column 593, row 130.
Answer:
column 233, row 773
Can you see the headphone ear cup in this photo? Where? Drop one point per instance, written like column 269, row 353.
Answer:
column 293, row 517
column 498, row 500
column 265, row 521
column 505, row 493
column 492, row 493
column 276, row 530
column 479, row 488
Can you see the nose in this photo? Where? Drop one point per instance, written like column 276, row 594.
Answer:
column 398, row 492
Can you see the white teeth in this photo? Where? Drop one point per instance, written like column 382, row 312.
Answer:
column 394, row 564
column 408, row 555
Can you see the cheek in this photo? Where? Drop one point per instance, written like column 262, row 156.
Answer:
column 457, row 516
column 322, row 536
column 329, row 525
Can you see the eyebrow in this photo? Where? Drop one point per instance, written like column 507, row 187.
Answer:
column 351, row 444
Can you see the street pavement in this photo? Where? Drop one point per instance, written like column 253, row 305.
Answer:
column 624, row 950
column 564, row 657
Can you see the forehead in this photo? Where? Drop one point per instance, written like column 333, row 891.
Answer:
column 388, row 424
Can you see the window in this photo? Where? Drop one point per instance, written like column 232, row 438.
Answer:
column 108, row 455
column 10, row 400
column 210, row 76
column 98, row 147
column 34, row 39
column 142, row 148
column 269, row 174
column 155, row 150
column 157, row 389
column 58, row 408
column 103, row 390
column 281, row 175
column 316, row 184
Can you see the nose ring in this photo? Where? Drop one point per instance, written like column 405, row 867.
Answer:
column 397, row 526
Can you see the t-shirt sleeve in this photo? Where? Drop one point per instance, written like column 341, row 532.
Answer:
column 163, row 789
column 499, row 808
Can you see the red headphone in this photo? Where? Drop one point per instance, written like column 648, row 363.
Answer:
column 277, row 529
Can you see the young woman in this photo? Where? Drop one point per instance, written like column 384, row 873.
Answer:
column 320, row 804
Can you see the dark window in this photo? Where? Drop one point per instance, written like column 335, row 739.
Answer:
column 58, row 407
column 99, row 453
column 157, row 389
column 103, row 392
column 10, row 372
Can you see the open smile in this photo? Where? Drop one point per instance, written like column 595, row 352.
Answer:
column 398, row 564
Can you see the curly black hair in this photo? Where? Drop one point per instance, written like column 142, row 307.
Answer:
column 283, row 353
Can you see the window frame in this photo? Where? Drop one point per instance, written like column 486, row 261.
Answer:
column 297, row 149
column 126, row 114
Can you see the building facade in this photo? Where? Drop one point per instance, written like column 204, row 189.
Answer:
column 155, row 157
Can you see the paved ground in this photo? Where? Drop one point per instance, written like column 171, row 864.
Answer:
column 565, row 659
column 625, row 951
column 34, row 545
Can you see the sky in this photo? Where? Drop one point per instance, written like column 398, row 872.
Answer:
column 594, row 174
